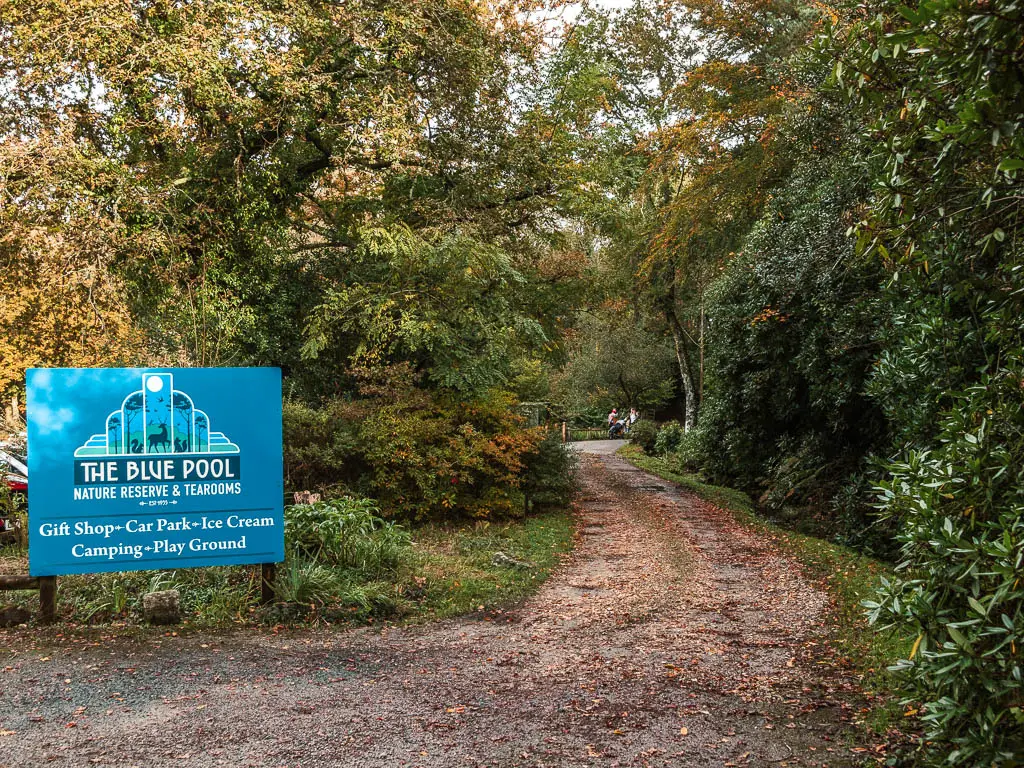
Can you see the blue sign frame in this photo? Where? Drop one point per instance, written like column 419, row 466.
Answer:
column 153, row 468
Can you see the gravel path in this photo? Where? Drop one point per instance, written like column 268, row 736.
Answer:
column 671, row 636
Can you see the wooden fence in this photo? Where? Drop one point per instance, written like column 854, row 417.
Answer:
column 573, row 434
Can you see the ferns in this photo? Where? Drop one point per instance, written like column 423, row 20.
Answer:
column 345, row 533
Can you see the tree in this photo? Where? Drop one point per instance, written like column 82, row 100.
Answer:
column 687, row 97
column 248, row 148
column 614, row 360
column 60, row 302
column 939, row 88
column 456, row 308
column 795, row 324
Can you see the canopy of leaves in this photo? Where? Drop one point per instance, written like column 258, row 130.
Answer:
column 238, row 165
column 614, row 361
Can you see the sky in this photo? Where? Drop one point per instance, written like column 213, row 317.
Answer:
column 568, row 13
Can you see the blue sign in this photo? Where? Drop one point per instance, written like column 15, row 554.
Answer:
column 139, row 468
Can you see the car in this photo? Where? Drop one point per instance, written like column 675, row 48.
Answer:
column 14, row 472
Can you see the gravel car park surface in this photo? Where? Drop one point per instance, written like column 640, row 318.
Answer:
column 670, row 636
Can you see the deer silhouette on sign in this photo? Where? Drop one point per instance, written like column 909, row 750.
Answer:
column 159, row 438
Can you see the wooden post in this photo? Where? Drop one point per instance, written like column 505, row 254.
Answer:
column 47, row 599
column 268, row 571
column 565, row 432
column 47, row 586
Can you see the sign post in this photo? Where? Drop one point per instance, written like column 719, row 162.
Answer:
column 139, row 469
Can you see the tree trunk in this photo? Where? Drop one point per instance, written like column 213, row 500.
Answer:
column 700, row 347
column 685, row 372
column 630, row 396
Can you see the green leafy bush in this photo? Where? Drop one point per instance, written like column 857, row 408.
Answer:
column 670, row 437
column 421, row 454
column 945, row 221
column 217, row 595
column 303, row 585
column 362, row 600
column 320, row 444
column 346, row 533
column 14, row 509
column 794, row 323
column 104, row 597
column 439, row 456
column 341, row 554
column 550, row 474
column 644, row 434
column 959, row 591
column 307, row 581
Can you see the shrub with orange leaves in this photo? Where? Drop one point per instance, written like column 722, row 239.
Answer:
column 422, row 454
column 431, row 456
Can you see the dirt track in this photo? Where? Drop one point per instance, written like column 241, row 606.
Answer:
column 672, row 636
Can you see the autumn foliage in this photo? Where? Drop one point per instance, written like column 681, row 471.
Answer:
column 61, row 302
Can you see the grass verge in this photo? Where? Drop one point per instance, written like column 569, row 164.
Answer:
column 458, row 563
column 848, row 576
column 441, row 571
